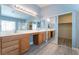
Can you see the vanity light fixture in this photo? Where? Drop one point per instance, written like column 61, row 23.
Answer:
column 25, row 10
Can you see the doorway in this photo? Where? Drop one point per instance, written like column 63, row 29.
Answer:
column 65, row 30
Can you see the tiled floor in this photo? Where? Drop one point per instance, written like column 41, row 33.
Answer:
column 50, row 48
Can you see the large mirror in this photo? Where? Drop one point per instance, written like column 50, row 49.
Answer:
column 16, row 18
column 13, row 20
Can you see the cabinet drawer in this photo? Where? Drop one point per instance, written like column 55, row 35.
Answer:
column 10, row 43
column 14, row 52
column 9, row 49
column 9, row 38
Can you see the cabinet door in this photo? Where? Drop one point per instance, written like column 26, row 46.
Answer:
column 49, row 35
column 44, row 36
column 24, row 43
column 40, row 39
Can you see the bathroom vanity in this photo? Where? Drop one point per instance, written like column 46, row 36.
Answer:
column 19, row 43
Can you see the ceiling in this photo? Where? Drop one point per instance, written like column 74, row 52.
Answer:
column 42, row 5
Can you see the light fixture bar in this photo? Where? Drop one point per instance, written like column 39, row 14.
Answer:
column 25, row 10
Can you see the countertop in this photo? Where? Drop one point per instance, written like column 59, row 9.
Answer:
column 24, row 32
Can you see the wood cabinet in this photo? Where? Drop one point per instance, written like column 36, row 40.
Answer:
column 14, row 45
column 18, row 44
column 10, row 44
column 24, row 43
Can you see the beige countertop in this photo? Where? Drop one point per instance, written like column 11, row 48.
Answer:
column 24, row 32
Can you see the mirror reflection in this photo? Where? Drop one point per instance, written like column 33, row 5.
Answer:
column 14, row 20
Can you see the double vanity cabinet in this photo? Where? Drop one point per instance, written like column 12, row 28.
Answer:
column 19, row 44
